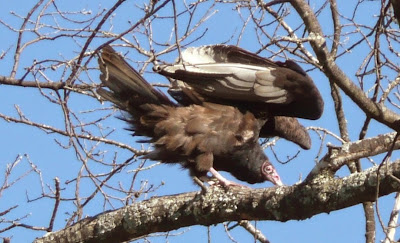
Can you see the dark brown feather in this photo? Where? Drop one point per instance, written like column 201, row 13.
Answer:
column 229, row 75
column 288, row 128
column 199, row 137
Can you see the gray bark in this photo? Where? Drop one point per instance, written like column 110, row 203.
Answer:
column 323, row 194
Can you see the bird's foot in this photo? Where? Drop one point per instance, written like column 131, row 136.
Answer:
column 229, row 183
column 223, row 181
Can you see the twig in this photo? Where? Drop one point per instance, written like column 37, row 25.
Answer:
column 252, row 230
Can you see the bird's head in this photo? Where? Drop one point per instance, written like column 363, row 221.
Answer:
column 269, row 173
column 250, row 165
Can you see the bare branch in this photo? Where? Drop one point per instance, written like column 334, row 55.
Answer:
column 392, row 224
column 337, row 157
column 217, row 205
column 250, row 228
column 335, row 74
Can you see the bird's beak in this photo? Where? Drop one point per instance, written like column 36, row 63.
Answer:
column 275, row 178
column 278, row 182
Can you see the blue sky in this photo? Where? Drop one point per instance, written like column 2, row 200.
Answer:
column 53, row 161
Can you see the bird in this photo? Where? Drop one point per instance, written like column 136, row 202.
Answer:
column 276, row 92
column 204, row 138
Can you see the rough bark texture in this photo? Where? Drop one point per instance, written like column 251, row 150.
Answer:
column 297, row 202
column 339, row 156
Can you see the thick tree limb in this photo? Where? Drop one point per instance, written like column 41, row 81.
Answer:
column 339, row 156
column 296, row 202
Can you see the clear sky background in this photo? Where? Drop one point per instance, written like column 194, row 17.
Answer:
column 42, row 149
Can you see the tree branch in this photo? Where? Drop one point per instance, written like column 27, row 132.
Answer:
column 375, row 110
column 339, row 156
column 297, row 202
column 44, row 85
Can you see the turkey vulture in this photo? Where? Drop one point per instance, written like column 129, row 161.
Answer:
column 203, row 138
column 273, row 91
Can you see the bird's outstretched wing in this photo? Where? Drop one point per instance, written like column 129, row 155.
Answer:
column 231, row 74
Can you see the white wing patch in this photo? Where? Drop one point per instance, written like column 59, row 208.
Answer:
column 193, row 55
column 252, row 81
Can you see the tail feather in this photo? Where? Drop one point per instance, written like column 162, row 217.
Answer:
column 130, row 92
column 125, row 83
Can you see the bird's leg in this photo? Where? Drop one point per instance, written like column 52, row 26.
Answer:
column 225, row 182
column 204, row 162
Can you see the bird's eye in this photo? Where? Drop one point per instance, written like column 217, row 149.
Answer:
column 268, row 169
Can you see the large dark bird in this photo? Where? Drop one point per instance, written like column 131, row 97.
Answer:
column 275, row 92
column 203, row 138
